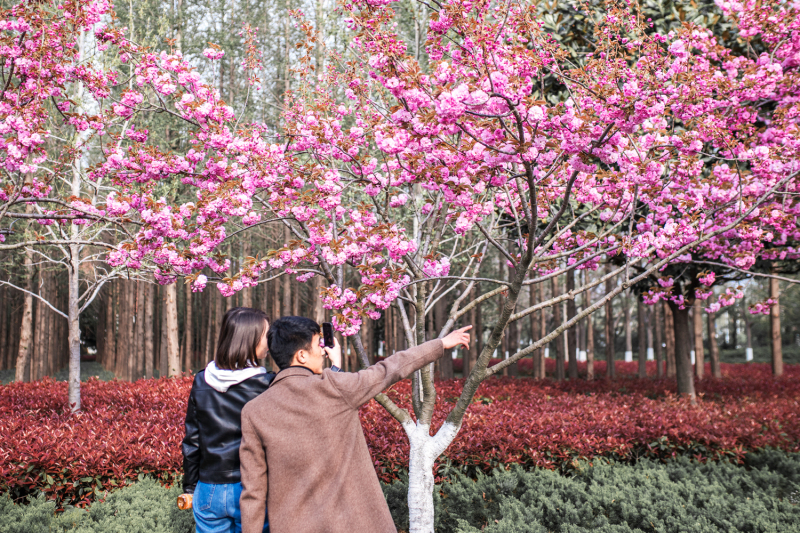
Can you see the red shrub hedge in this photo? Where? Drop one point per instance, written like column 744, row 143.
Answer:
column 128, row 429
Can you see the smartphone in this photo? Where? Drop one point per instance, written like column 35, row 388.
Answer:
column 327, row 334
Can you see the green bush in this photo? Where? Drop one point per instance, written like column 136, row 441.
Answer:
column 144, row 507
column 678, row 496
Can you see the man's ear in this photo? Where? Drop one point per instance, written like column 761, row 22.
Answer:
column 301, row 356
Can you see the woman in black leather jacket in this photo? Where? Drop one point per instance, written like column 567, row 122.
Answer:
column 213, row 420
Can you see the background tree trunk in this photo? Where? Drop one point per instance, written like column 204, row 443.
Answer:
column 587, row 302
column 173, row 349
column 628, row 328
column 163, row 352
column 26, row 328
column 471, row 356
column 699, row 355
column 572, row 336
column 188, row 327
column 559, row 341
column 534, row 323
column 149, row 352
column 775, row 327
column 642, row 337
column 658, row 322
column 713, row 348
column 669, row 330
column 542, row 330
column 609, row 333
column 683, row 342
column 439, row 319
column 141, row 311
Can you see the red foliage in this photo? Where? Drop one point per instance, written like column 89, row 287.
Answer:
column 128, row 429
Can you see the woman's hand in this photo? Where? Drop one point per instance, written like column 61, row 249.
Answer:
column 454, row 338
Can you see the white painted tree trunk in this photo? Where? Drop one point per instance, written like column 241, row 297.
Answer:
column 424, row 451
column 74, row 385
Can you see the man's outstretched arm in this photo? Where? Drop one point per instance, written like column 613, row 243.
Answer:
column 360, row 387
column 253, row 502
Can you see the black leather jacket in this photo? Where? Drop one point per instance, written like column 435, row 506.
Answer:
column 214, row 430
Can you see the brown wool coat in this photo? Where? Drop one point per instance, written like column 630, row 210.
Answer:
column 304, row 455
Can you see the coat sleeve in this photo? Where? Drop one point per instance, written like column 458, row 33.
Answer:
column 253, row 468
column 191, row 447
column 358, row 388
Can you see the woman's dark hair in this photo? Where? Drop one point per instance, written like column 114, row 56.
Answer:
column 241, row 331
column 288, row 335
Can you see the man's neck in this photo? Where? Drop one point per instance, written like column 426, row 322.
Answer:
column 295, row 364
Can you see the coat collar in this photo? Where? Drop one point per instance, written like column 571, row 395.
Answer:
column 291, row 372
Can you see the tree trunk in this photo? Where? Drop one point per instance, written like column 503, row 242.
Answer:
column 424, row 449
column 642, row 337
column 533, row 318
column 478, row 330
column 713, row 348
column 286, row 305
column 120, row 361
column 560, row 349
column 609, row 325
column 110, row 346
column 319, row 310
column 659, row 327
column 73, row 306
column 471, row 356
column 173, row 350
column 669, row 330
column 247, row 293
column 149, row 353
column 628, row 329
column 572, row 336
column 587, row 302
column 748, row 332
column 649, row 316
column 4, row 345
column 141, row 327
column 188, row 327
column 439, row 319
column 699, row 352
column 683, row 342
column 542, row 329
column 26, row 328
column 163, row 352
column 775, row 327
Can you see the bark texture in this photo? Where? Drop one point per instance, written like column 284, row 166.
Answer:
column 775, row 328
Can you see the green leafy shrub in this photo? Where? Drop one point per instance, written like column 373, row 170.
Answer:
column 650, row 496
column 144, row 507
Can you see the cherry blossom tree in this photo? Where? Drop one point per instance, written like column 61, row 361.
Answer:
column 66, row 105
column 397, row 178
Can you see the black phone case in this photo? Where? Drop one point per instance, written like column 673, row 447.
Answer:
column 327, row 334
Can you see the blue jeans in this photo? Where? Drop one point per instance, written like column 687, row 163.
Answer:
column 216, row 508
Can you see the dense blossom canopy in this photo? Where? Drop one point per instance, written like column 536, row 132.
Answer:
column 663, row 142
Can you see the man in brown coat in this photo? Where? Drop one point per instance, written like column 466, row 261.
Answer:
column 303, row 453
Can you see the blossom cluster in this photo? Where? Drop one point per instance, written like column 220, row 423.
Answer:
column 382, row 167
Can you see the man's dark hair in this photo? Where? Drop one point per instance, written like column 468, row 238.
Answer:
column 289, row 334
column 241, row 331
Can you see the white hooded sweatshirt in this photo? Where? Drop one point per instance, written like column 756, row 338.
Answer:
column 221, row 380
